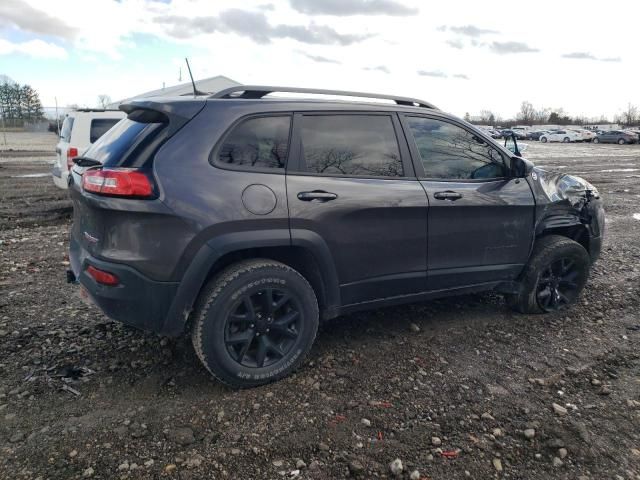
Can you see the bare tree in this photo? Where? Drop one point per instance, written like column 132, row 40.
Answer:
column 630, row 115
column 487, row 116
column 541, row 115
column 526, row 114
column 103, row 100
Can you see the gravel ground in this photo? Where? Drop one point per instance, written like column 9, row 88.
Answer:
column 449, row 389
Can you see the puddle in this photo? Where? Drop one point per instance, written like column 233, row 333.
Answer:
column 636, row 216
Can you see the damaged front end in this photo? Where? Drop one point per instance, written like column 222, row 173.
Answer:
column 568, row 205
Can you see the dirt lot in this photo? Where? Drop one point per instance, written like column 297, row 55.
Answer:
column 454, row 388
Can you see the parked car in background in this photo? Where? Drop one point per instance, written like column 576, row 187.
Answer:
column 492, row 132
column 635, row 131
column 585, row 135
column 520, row 134
column 564, row 136
column 536, row 134
column 616, row 136
column 246, row 221
column 79, row 131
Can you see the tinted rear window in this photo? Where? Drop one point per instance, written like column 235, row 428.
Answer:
column 350, row 145
column 99, row 127
column 67, row 126
column 127, row 144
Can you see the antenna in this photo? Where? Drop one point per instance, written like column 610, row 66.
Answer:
column 196, row 92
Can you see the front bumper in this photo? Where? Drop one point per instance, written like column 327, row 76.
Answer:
column 136, row 301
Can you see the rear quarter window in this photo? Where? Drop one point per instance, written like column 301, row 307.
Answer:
column 100, row 126
column 256, row 143
column 67, row 127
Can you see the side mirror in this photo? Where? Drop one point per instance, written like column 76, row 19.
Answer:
column 521, row 167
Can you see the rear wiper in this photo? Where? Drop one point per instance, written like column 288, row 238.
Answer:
column 86, row 162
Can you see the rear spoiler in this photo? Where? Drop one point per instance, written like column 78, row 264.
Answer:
column 176, row 113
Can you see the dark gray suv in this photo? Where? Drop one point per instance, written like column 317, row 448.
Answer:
column 245, row 218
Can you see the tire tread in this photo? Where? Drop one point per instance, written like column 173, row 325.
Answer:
column 214, row 289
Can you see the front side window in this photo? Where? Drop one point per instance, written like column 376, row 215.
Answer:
column 260, row 142
column 350, row 145
column 451, row 152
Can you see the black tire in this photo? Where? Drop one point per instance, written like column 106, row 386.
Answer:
column 566, row 140
column 621, row 141
column 543, row 139
column 596, row 140
column 260, row 344
column 552, row 253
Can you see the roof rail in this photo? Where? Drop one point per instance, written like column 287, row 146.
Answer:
column 259, row 91
column 88, row 109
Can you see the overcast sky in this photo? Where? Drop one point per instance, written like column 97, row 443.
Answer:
column 463, row 56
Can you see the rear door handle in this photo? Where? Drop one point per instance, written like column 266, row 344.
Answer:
column 448, row 195
column 317, row 195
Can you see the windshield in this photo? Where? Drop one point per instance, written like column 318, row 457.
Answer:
column 121, row 141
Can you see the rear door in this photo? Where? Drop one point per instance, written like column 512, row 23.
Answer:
column 351, row 185
column 480, row 219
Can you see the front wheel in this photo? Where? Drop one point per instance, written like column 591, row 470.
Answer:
column 621, row 141
column 566, row 140
column 596, row 140
column 255, row 322
column 554, row 277
column 543, row 139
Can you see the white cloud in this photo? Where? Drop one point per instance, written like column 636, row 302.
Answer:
column 403, row 44
column 34, row 48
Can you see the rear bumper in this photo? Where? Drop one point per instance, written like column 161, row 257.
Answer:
column 136, row 301
column 60, row 178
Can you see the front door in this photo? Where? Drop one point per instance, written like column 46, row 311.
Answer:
column 351, row 184
column 480, row 221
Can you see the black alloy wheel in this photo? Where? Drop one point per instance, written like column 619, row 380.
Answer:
column 558, row 285
column 553, row 278
column 262, row 327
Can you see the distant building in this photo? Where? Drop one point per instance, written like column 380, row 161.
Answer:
column 209, row 85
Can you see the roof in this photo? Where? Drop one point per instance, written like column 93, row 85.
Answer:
column 209, row 85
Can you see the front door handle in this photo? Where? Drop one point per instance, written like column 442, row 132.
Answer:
column 448, row 195
column 317, row 195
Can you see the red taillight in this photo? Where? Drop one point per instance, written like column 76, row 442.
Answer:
column 103, row 277
column 72, row 152
column 121, row 182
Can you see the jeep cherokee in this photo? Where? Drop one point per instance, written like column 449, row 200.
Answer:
column 245, row 218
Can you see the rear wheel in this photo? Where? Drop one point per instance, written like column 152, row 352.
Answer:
column 543, row 139
column 554, row 277
column 566, row 140
column 255, row 323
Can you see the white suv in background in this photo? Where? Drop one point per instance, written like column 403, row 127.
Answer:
column 79, row 130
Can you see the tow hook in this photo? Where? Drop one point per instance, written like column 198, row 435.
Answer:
column 71, row 277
